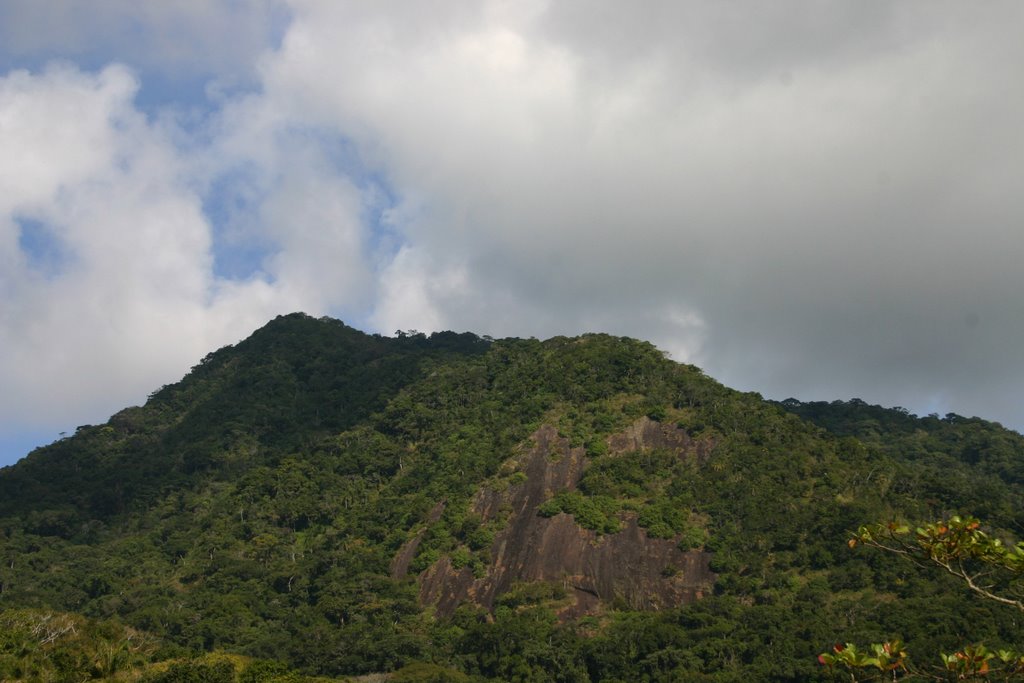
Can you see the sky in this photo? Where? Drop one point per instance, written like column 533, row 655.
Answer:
column 820, row 200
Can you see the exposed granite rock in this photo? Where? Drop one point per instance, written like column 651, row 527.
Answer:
column 646, row 433
column 642, row 572
column 406, row 554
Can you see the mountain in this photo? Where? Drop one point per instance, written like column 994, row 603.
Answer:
column 451, row 507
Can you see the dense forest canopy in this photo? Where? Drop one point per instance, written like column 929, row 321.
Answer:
column 246, row 521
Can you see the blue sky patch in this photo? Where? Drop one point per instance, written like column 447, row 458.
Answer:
column 43, row 249
column 232, row 206
column 17, row 444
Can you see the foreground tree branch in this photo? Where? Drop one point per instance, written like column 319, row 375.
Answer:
column 962, row 549
column 959, row 546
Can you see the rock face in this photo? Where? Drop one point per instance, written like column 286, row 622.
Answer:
column 400, row 563
column 645, row 573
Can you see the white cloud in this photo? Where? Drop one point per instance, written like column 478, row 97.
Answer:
column 40, row 156
column 136, row 300
column 314, row 215
column 411, row 288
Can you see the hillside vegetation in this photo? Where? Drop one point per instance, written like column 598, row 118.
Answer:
column 281, row 512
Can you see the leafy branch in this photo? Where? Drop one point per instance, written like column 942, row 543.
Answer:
column 957, row 545
column 986, row 565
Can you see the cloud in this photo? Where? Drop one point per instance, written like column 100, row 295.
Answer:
column 822, row 196
column 86, row 168
column 135, row 300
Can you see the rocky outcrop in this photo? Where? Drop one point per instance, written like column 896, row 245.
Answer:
column 400, row 563
column 628, row 567
column 646, row 433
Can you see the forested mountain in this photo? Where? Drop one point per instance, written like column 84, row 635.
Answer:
column 315, row 501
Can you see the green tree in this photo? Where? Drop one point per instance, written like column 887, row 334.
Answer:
column 986, row 565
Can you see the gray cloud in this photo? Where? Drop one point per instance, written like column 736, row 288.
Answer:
column 806, row 201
